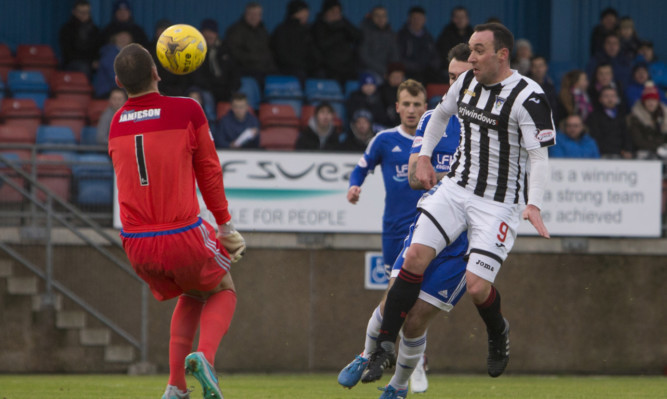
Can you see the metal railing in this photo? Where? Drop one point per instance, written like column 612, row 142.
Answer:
column 141, row 343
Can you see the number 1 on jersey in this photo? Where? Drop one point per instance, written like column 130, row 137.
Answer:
column 141, row 159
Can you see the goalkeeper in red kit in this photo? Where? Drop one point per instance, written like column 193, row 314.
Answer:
column 160, row 146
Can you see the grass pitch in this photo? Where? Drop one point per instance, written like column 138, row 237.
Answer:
column 324, row 386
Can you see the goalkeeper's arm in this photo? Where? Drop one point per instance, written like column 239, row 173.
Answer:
column 232, row 240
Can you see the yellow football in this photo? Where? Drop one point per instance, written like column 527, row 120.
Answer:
column 181, row 49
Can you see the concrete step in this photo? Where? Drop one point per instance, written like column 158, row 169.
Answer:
column 95, row 336
column 40, row 301
column 119, row 354
column 5, row 268
column 22, row 285
column 70, row 319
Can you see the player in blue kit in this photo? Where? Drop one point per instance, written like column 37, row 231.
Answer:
column 443, row 283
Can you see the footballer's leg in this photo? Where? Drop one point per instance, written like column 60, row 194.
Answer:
column 216, row 316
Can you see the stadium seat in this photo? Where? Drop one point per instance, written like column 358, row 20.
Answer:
column 323, row 90
column 17, row 135
column 53, row 172
column 72, row 86
column 8, row 194
column 56, row 136
column 350, row 86
column 221, row 108
column 250, row 88
column 21, row 112
column 93, row 180
column 28, row 84
column 95, row 110
column 278, row 138
column 307, row 112
column 294, row 103
column 88, row 135
column 65, row 113
column 436, row 90
column 277, row 115
column 2, row 89
column 7, row 61
column 37, row 57
column 281, row 86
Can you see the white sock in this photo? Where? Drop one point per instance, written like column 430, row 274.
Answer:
column 372, row 332
column 410, row 350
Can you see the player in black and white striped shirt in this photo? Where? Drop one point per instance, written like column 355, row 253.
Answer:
column 506, row 120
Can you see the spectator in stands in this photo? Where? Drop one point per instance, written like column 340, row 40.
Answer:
column 657, row 69
column 416, row 48
column 336, row 40
column 249, row 43
column 523, row 53
column 205, row 99
column 611, row 54
column 80, row 40
column 538, row 72
column 122, row 21
column 639, row 78
column 608, row 128
column 394, row 77
column 238, row 128
column 360, row 133
column 573, row 97
column 104, row 79
column 647, row 123
column 368, row 98
column 457, row 31
column 603, row 77
column 378, row 46
column 628, row 36
column 170, row 84
column 117, row 98
column 572, row 140
column 293, row 44
column 320, row 134
column 608, row 25
column 219, row 74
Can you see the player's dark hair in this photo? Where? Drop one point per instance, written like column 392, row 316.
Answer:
column 502, row 37
column 238, row 96
column 460, row 52
column 412, row 86
column 133, row 67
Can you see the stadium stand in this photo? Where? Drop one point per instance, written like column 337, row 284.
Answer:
column 17, row 135
column 278, row 137
column 250, row 88
column 7, row 61
column 37, row 57
column 95, row 109
column 65, row 113
column 8, row 194
column 21, row 112
column 93, row 180
column 28, row 84
column 72, row 86
column 53, row 172
column 56, row 136
column 271, row 115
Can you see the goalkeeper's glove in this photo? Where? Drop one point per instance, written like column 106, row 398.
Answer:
column 232, row 240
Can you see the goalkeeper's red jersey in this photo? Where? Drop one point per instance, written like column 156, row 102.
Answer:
column 159, row 146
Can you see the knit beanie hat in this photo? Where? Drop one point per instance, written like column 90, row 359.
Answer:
column 650, row 91
column 295, row 6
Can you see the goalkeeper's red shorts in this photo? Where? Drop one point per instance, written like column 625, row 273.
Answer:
column 176, row 261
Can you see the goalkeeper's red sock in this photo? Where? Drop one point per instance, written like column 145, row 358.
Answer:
column 184, row 323
column 215, row 319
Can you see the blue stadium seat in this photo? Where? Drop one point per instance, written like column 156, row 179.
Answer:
column 285, row 87
column 28, row 84
column 89, row 135
column 323, row 90
column 250, row 88
column 350, row 86
column 93, row 180
column 56, row 136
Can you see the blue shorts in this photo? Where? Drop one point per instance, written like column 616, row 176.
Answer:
column 391, row 248
column 445, row 278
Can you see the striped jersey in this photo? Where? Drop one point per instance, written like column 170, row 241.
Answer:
column 499, row 124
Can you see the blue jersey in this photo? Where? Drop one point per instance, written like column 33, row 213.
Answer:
column 391, row 150
column 443, row 155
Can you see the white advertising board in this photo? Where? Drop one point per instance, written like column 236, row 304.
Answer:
column 606, row 198
column 306, row 192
